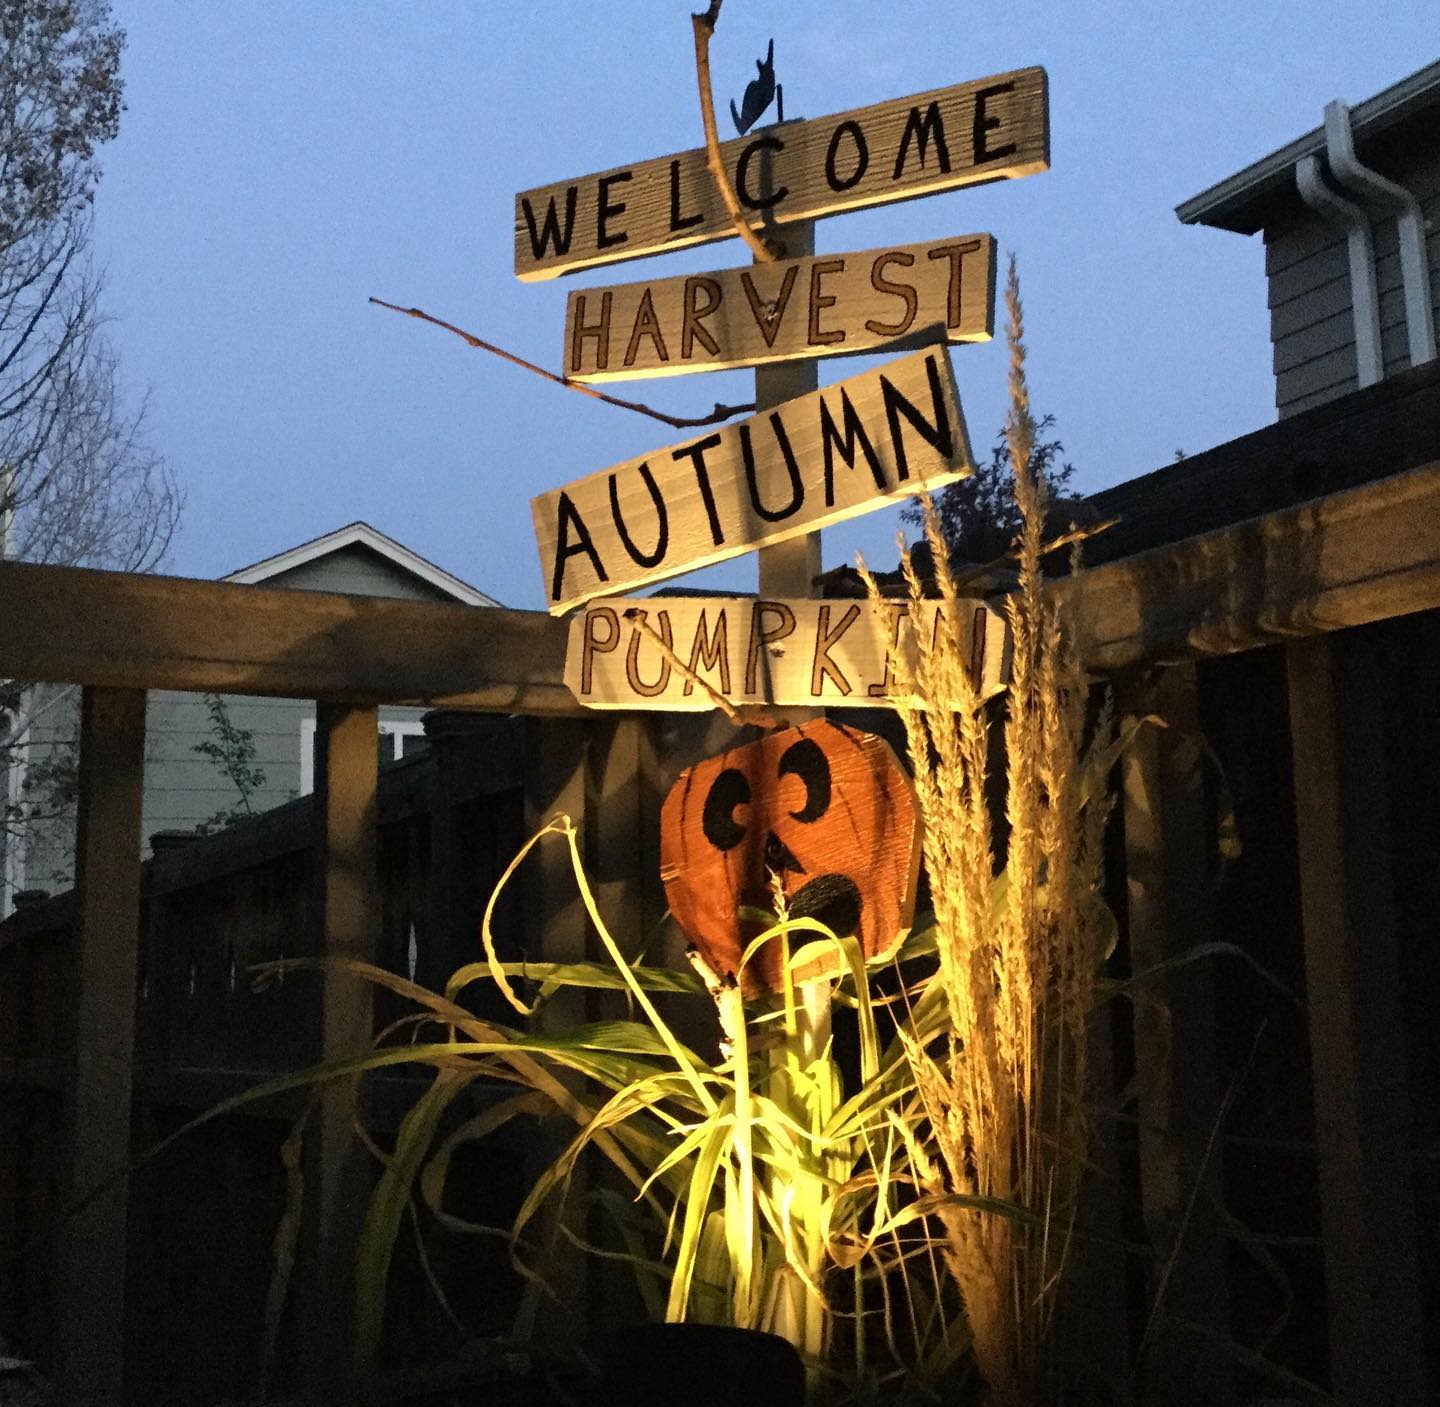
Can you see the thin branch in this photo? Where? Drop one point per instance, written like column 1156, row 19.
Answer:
column 703, row 27
column 738, row 714
column 1076, row 535
column 680, row 422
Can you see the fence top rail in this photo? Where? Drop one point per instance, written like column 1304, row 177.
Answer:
column 77, row 626
column 1349, row 558
column 1344, row 560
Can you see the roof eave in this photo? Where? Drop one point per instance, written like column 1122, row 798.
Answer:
column 1242, row 201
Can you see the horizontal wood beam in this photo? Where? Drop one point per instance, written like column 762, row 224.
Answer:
column 1354, row 439
column 1362, row 555
column 70, row 625
column 1353, row 557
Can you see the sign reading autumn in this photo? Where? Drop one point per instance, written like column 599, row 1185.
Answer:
column 816, row 460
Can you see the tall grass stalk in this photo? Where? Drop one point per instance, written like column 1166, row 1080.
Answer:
column 1020, row 932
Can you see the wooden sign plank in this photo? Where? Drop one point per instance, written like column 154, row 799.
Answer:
column 821, row 306
column 792, row 653
column 816, row 460
column 985, row 130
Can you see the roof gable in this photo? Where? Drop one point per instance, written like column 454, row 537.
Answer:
column 354, row 541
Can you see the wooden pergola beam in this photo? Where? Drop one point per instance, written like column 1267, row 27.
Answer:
column 1362, row 555
column 71, row 625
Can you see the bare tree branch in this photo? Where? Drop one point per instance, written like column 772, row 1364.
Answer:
column 703, row 27
column 738, row 714
column 721, row 412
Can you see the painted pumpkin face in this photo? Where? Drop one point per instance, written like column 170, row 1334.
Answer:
column 827, row 809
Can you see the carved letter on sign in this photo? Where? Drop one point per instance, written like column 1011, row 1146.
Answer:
column 825, row 808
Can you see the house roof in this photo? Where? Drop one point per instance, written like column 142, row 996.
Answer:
column 1243, row 202
column 363, row 535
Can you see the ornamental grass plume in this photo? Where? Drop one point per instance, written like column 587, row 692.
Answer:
column 1020, row 931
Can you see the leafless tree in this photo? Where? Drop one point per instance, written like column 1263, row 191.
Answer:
column 78, row 485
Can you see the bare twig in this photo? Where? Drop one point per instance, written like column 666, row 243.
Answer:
column 680, row 422
column 1073, row 537
column 703, row 27
column 738, row 714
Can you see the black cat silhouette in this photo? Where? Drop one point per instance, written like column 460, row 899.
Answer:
column 758, row 93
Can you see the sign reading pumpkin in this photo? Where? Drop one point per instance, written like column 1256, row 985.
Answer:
column 826, row 810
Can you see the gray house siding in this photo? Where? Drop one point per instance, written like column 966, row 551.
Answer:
column 184, row 789
column 1312, row 329
column 357, row 571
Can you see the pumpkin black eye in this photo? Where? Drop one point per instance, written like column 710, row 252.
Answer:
column 727, row 791
column 806, row 761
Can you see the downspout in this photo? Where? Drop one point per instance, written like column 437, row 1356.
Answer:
column 1364, row 299
column 1376, row 190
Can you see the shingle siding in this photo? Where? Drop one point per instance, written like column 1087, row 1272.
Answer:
column 1312, row 327
column 357, row 571
column 184, row 789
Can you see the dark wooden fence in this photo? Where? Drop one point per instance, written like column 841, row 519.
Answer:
column 1270, row 1136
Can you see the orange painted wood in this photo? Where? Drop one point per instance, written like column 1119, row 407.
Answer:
column 825, row 808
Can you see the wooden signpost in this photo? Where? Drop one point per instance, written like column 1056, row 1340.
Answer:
column 821, row 810
column 815, row 460
column 794, row 653
column 830, row 305
column 984, row 130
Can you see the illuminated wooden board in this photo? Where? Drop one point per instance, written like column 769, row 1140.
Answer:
column 792, row 653
column 825, row 812
column 821, row 458
column 822, row 306
column 984, row 130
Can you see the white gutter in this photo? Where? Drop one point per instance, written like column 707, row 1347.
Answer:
column 1364, row 298
column 1375, row 190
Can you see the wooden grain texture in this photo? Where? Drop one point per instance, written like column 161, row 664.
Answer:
column 1169, row 834
column 821, row 306
column 1355, row 439
column 792, row 567
column 792, row 652
column 346, row 781
column 89, row 1280
column 1351, row 558
column 1353, row 1001
column 825, row 810
column 72, row 625
column 831, row 455
column 984, row 130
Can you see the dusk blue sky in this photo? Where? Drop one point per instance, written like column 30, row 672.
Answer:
column 278, row 163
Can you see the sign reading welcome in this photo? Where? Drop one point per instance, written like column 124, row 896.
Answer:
column 792, row 653
column 818, row 459
column 984, row 130
column 826, row 305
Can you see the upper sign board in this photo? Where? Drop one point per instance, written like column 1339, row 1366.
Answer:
column 985, row 130
column 830, row 305
column 816, row 460
column 791, row 653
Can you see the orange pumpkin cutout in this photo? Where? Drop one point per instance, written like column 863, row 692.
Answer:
column 826, row 808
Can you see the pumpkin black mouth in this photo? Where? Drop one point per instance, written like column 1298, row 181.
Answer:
column 831, row 899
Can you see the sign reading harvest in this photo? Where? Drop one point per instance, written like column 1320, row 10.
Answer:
column 984, row 130
column 794, row 653
column 827, row 305
column 823, row 457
